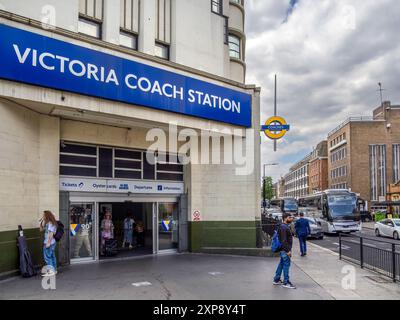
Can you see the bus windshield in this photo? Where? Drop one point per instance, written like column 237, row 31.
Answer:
column 341, row 205
column 290, row 205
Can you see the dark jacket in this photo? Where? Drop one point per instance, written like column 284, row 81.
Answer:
column 285, row 237
column 302, row 227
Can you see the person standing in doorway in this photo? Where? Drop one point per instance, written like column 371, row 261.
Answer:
column 129, row 224
column 48, row 224
column 107, row 230
column 140, row 234
column 286, row 240
column 303, row 230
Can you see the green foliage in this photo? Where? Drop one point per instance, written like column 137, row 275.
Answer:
column 268, row 188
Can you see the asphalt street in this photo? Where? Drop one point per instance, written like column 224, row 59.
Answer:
column 331, row 242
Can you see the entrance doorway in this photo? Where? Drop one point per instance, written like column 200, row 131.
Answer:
column 157, row 226
column 131, row 229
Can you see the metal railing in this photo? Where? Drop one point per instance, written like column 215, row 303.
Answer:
column 381, row 256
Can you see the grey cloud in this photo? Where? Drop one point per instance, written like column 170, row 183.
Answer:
column 328, row 66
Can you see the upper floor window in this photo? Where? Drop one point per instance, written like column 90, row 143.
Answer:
column 129, row 23
column 162, row 50
column 91, row 13
column 163, row 28
column 89, row 27
column 128, row 40
column 216, row 6
column 234, row 47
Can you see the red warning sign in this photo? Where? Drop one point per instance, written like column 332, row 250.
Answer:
column 196, row 215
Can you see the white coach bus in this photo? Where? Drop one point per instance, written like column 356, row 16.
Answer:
column 336, row 210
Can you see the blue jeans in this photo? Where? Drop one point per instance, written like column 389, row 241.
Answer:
column 50, row 256
column 303, row 244
column 284, row 265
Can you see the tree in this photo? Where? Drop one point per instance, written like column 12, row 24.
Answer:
column 268, row 188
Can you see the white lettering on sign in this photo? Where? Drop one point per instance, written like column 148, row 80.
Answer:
column 120, row 186
column 79, row 69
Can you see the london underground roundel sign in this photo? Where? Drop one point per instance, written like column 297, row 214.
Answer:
column 275, row 128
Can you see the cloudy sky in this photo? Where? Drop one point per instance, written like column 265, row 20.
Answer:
column 329, row 56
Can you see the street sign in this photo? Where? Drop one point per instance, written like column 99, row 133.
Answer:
column 275, row 128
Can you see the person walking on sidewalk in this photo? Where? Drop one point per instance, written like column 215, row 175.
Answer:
column 286, row 239
column 303, row 230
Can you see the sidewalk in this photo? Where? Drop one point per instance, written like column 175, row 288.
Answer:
column 204, row 277
column 172, row 277
column 325, row 268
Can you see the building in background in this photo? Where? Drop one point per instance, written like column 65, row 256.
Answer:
column 279, row 188
column 319, row 168
column 297, row 183
column 364, row 153
column 82, row 83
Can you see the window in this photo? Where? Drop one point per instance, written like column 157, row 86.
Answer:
column 91, row 14
column 216, row 6
column 396, row 163
column 162, row 51
column 237, row 1
column 377, row 157
column 89, row 27
column 129, row 23
column 234, row 47
column 80, row 160
column 163, row 21
column 129, row 15
column 226, row 30
column 128, row 40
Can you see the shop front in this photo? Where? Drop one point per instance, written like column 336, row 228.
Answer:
column 114, row 197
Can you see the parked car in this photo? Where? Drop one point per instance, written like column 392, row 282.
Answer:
column 275, row 213
column 388, row 228
column 315, row 226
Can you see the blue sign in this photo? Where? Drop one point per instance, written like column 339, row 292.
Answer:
column 35, row 59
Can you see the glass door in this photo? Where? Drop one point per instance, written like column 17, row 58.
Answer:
column 168, row 226
column 82, row 231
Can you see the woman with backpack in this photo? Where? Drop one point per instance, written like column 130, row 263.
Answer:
column 48, row 224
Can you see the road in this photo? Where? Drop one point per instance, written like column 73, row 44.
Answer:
column 331, row 242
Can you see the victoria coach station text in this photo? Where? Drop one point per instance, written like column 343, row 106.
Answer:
column 56, row 63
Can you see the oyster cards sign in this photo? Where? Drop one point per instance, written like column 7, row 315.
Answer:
column 35, row 59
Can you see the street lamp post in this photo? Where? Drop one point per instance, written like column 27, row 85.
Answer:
column 264, row 184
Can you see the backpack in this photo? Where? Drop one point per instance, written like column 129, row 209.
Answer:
column 60, row 231
column 276, row 244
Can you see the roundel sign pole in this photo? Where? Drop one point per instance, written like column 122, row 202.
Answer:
column 275, row 127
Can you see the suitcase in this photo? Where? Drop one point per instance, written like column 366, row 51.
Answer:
column 111, row 247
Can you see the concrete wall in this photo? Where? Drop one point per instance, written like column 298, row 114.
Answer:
column 28, row 166
column 29, row 178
